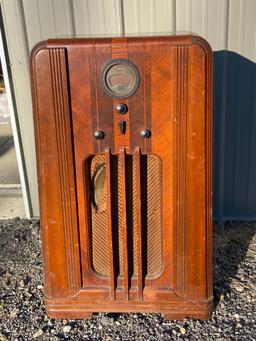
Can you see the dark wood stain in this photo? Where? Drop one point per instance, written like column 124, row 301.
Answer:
column 174, row 101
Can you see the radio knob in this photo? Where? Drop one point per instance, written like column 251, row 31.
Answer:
column 145, row 133
column 99, row 135
column 121, row 108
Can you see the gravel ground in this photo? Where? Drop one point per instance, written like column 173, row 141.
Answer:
column 23, row 317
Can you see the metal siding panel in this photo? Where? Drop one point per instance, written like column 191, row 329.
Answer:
column 5, row 63
column 234, row 141
column 216, row 16
column 81, row 17
column 15, row 29
column 112, row 16
column 97, row 16
column 236, row 23
column 232, row 136
column 54, row 18
column 164, row 20
column 219, row 126
column 249, row 29
column 149, row 15
column 62, row 17
column 46, row 18
column 197, row 17
column 29, row 21
column 245, row 104
column 251, row 189
column 183, row 15
column 202, row 17
column 32, row 22
column 131, row 15
column 145, row 12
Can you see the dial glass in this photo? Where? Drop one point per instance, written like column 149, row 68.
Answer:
column 120, row 79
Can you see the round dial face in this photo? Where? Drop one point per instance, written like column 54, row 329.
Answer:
column 120, row 78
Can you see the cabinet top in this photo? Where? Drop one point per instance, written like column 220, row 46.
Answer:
column 175, row 38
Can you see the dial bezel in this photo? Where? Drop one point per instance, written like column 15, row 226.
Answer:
column 104, row 73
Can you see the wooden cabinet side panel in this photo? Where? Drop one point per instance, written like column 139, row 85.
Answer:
column 198, row 174
column 163, row 77
column 55, row 168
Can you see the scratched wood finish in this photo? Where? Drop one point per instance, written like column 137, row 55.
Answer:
column 173, row 101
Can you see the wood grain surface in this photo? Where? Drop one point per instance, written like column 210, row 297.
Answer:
column 174, row 102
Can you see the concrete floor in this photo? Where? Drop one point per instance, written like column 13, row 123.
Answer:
column 9, row 173
column 11, row 200
column 11, row 206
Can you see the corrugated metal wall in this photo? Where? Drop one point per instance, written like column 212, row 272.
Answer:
column 226, row 24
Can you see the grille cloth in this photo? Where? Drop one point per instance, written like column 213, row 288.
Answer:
column 151, row 190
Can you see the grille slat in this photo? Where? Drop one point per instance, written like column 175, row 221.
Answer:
column 139, row 223
column 126, row 279
column 110, row 226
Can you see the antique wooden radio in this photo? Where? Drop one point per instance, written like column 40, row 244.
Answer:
column 123, row 135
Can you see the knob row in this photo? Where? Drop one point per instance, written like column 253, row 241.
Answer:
column 99, row 134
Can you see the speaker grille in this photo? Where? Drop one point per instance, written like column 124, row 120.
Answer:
column 151, row 217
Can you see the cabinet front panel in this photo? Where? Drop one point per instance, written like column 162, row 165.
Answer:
column 124, row 127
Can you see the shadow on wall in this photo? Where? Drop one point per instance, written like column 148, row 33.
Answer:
column 234, row 137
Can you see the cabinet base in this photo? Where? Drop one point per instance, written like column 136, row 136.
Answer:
column 176, row 311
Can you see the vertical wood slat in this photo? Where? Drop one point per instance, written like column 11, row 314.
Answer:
column 182, row 62
column 110, row 227
column 139, row 223
column 124, row 223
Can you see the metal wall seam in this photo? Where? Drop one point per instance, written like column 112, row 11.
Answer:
column 18, row 55
column 225, row 24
